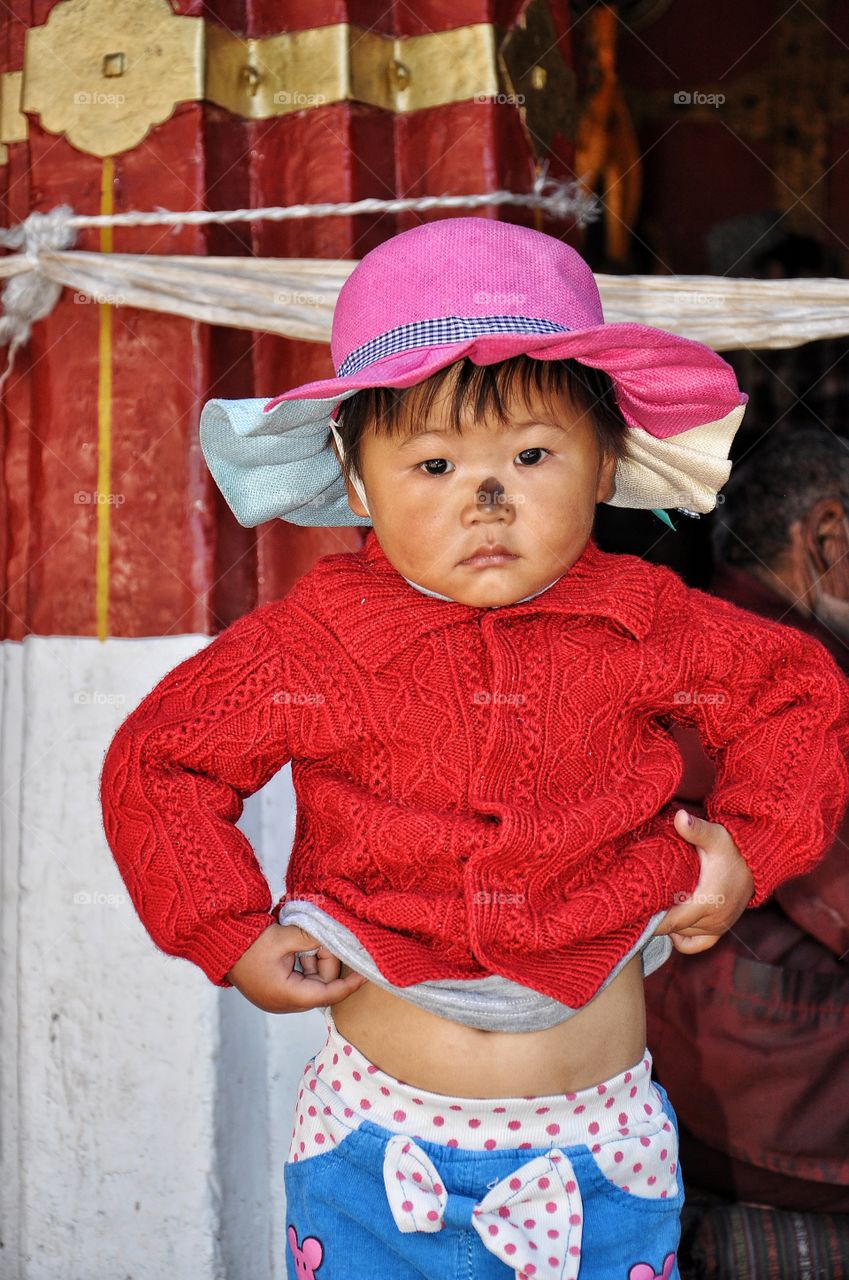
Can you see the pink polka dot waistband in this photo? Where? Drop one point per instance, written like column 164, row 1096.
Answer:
column 346, row 1084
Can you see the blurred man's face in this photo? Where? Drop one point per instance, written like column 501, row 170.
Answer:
column 830, row 589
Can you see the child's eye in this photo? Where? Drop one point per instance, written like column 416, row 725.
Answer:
column 530, row 456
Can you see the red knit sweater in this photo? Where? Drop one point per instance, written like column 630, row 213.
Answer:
column 479, row 790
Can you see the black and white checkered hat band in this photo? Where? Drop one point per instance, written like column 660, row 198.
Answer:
column 439, row 332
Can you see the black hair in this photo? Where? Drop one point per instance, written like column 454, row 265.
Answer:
column 383, row 409
column 777, row 483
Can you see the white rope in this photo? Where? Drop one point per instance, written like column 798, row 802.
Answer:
column 559, row 199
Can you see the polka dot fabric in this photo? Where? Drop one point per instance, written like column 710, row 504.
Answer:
column 532, row 1219
column 621, row 1120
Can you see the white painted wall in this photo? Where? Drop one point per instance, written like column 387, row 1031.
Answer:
column 145, row 1114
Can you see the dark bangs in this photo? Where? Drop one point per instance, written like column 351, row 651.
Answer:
column 479, row 389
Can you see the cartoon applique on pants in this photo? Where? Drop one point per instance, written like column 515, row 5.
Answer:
column 308, row 1256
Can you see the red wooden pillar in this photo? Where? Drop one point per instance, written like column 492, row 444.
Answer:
column 160, row 533
column 15, row 408
column 113, row 523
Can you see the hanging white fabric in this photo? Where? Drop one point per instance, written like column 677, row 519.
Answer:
column 295, row 297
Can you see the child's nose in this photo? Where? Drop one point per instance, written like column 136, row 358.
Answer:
column 489, row 491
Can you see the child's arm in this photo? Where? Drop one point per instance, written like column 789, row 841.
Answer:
column 772, row 709
column 212, row 732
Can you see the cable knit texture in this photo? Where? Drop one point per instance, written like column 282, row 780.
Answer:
column 479, row 790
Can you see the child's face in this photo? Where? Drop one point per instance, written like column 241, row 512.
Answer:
column 530, row 484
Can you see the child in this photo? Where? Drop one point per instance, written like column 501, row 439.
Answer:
column 477, row 710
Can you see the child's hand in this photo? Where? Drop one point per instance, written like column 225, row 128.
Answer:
column 266, row 973
column 724, row 889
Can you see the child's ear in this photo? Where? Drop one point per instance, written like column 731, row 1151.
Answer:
column 606, row 477
column 354, row 499
column 355, row 502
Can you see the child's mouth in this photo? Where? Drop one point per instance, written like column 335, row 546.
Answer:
column 483, row 560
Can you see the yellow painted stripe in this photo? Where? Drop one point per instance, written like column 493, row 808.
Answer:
column 537, row 212
column 104, row 417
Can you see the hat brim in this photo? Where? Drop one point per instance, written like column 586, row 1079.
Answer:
column 665, row 384
column 273, row 458
column 280, row 465
column 276, row 465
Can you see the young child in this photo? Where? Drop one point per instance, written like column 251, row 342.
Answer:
column 477, row 709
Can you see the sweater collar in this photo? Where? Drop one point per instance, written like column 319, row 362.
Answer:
column 437, row 596
column 388, row 613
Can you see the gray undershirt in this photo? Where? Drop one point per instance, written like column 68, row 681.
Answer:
column 490, row 1004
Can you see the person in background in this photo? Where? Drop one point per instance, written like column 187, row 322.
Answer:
column 776, row 986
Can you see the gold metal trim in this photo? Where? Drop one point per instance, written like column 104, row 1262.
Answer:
column 104, row 72
column 273, row 76
column 13, row 123
column 295, row 71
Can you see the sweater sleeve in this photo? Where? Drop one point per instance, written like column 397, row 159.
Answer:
column 172, row 785
column 772, row 709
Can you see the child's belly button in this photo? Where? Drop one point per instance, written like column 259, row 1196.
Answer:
column 434, row 1053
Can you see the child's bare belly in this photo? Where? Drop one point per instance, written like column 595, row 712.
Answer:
column 430, row 1052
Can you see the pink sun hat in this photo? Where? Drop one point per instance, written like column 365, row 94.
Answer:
column 488, row 290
